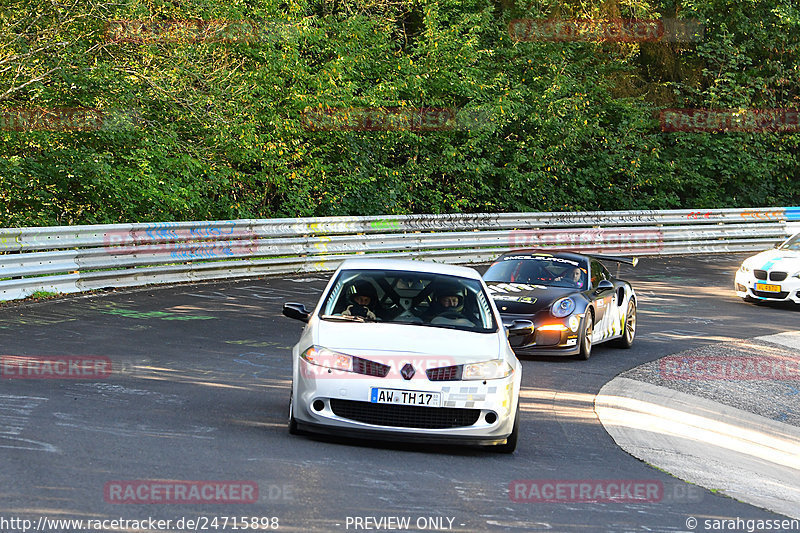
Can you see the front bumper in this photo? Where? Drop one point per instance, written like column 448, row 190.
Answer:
column 747, row 286
column 338, row 402
column 551, row 337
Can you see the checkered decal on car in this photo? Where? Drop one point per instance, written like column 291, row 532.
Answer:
column 465, row 397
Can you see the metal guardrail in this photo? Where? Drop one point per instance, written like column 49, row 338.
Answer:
column 81, row 258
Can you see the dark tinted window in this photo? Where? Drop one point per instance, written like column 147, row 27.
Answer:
column 538, row 270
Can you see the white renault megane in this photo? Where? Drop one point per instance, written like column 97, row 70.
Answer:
column 406, row 350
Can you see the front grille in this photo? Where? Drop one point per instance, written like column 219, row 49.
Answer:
column 370, row 368
column 404, row 416
column 548, row 338
column 773, row 295
column 760, row 274
column 777, row 276
column 445, row 373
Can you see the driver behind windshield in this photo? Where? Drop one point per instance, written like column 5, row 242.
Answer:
column 363, row 301
column 574, row 276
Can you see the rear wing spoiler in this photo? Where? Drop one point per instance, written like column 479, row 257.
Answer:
column 627, row 260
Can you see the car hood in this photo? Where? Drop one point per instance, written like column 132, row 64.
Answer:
column 371, row 339
column 786, row 260
column 523, row 298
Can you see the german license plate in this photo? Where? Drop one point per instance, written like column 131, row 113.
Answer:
column 768, row 288
column 406, row 397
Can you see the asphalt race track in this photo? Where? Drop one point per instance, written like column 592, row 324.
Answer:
column 199, row 390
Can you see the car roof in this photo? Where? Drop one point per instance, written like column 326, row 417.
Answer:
column 409, row 265
column 564, row 255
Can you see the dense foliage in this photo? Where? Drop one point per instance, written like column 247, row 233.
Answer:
column 217, row 128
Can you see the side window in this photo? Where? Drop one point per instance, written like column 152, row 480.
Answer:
column 606, row 273
column 597, row 273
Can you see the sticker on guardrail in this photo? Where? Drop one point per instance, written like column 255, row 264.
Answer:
column 220, row 240
column 792, row 213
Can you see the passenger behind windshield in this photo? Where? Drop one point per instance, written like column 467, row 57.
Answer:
column 448, row 304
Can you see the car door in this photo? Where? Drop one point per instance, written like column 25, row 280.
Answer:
column 603, row 298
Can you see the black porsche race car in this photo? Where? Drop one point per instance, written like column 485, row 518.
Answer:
column 572, row 301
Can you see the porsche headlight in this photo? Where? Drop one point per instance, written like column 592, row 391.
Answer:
column 317, row 355
column 494, row 369
column 563, row 307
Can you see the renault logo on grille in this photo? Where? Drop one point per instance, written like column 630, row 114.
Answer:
column 407, row 371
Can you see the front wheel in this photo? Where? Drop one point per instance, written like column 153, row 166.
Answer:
column 586, row 337
column 626, row 341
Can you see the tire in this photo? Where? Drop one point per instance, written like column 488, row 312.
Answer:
column 292, row 421
column 586, row 336
column 629, row 332
column 511, row 442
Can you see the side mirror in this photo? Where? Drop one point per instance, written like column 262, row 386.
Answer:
column 296, row 311
column 604, row 285
column 519, row 327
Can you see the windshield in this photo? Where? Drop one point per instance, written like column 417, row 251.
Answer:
column 792, row 244
column 538, row 270
column 405, row 297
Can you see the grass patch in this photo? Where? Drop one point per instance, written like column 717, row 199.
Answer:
column 43, row 295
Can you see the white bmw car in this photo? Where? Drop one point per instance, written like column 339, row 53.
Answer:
column 772, row 275
column 406, row 350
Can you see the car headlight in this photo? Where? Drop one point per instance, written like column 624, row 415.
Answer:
column 745, row 268
column 317, row 355
column 563, row 307
column 494, row 369
column 796, row 275
column 574, row 322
